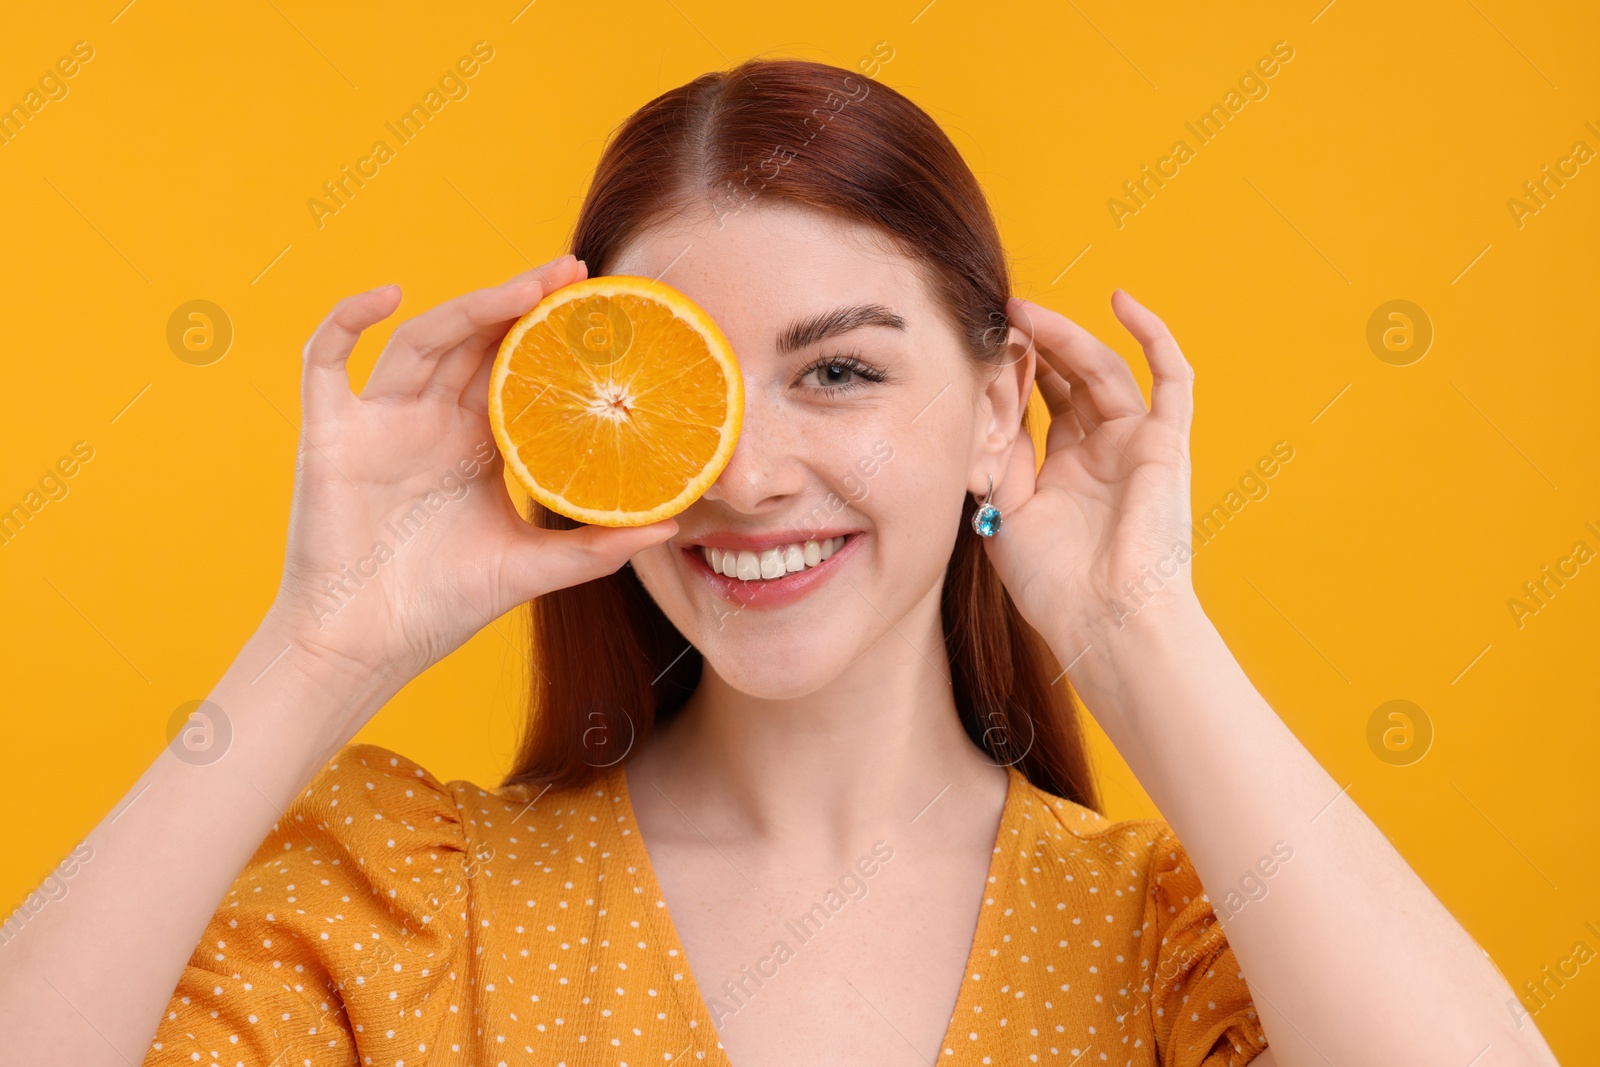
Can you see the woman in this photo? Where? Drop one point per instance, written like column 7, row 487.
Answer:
column 862, row 785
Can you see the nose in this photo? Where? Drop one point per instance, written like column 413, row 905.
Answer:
column 766, row 466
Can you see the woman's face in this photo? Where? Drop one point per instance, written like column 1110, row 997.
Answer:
column 865, row 426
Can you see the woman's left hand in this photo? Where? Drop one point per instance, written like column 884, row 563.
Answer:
column 1103, row 527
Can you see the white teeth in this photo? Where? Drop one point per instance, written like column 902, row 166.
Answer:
column 772, row 562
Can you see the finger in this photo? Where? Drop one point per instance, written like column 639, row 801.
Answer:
column 1065, row 427
column 556, row 559
column 325, row 379
column 413, row 351
column 455, row 368
column 419, row 345
column 474, row 395
column 1057, row 396
column 467, row 363
column 1057, row 393
column 1076, row 353
column 1171, row 376
column 535, row 273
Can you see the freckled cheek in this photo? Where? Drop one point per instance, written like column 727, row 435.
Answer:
column 907, row 485
column 913, row 521
column 842, row 458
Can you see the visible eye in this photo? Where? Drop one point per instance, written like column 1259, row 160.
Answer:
column 842, row 373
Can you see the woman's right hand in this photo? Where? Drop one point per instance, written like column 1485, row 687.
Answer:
column 403, row 540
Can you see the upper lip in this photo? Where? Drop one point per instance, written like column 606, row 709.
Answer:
column 758, row 542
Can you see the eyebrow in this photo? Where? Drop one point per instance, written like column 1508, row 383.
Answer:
column 808, row 331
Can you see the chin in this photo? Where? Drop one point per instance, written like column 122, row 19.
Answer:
column 778, row 678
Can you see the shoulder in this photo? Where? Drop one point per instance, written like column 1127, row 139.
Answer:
column 547, row 830
column 1129, row 888
column 1143, row 852
column 1072, row 825
column 358, row 760
column 366, row 784
column 374, row 816
column 1114, row 915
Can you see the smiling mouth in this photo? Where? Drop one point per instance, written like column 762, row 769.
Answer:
column 772, row 564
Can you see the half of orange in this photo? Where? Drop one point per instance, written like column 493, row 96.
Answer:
column 616, row 401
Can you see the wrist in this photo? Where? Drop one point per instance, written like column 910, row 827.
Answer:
column 341, row 652
column 287, row 674
column 1128, row 621
column 1124, row 642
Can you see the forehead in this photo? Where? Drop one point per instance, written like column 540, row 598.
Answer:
column 773, row 263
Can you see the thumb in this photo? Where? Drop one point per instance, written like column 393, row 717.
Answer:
column 555, row 559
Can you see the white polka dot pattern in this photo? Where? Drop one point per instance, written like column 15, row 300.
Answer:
column 391, row 919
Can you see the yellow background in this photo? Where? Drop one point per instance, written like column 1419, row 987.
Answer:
column 1377, row 168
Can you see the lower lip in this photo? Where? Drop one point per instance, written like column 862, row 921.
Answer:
column 774, row 592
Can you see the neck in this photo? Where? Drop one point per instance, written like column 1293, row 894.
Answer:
column 879, row 745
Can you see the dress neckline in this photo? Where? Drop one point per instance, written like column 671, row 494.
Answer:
column 690, row 998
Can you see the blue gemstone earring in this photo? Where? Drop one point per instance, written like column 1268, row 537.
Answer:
column 986, row 520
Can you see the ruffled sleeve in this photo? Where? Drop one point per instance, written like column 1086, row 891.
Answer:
column 1202, row 1010
column 341, row 938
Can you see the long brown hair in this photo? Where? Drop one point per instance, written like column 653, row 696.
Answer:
column 608, row 664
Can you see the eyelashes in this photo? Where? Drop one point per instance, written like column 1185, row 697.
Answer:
column 863, row 372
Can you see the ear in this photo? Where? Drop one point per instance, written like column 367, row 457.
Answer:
column 1006, row 389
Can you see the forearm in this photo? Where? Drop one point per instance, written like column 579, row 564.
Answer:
column 1349, row 956
column 86, row 979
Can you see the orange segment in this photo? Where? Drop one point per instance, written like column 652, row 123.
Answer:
column 616, row 401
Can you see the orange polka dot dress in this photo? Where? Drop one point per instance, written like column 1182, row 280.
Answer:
column 390, row 919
